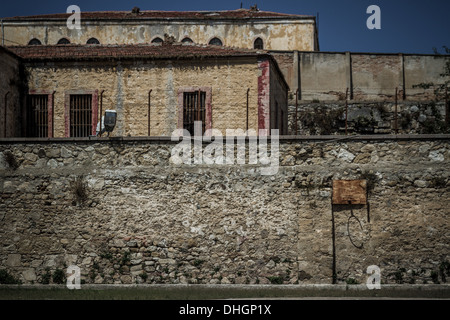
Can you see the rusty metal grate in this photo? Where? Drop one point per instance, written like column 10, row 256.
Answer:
column 80, row 115
column 37, row 116
column 194, row 110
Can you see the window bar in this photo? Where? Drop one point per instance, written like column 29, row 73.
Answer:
column 74, row 117
column 89, row 116
column 45, row 133
column 83, row 116
column 44, row 116
column 53, row 114
column 41, row 115
column 82, row 122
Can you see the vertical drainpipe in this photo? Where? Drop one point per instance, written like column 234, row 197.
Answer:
column 333, row 244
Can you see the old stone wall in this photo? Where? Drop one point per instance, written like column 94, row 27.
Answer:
column 123, row 212
column 369, row 117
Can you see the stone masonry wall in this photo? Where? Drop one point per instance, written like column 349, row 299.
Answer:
column 136, row 217
column 369, row 117
column 126, row 86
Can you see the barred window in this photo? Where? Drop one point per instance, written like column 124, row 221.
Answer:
column 37, row 115
column 80, row 115
column 194, row 110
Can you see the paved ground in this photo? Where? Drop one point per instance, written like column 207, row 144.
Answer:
column 209, row 292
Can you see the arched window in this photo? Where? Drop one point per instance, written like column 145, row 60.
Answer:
column 92, row 41
column 63, row 41
column 187, row 40
column 34, row 42
column 215, row 42
column 157, row 40
column 258, row 44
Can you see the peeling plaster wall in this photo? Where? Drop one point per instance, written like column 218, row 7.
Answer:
column 325, row 76
column 277, row 35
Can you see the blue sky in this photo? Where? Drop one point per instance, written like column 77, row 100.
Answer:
column 406, row 26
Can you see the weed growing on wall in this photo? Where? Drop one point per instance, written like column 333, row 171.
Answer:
column 79, row 191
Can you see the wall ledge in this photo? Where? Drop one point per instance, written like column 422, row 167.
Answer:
column 285, row 138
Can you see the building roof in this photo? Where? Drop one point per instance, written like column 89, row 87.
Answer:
column 129, row 51
column 173, row 51
column 165, row 15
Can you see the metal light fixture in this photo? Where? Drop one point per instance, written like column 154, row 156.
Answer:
column 108, row 122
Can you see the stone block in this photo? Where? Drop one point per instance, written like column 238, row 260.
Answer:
column 14, row 260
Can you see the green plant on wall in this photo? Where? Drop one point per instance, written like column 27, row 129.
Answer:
column 46, row 276
column 7, row 278
column 59, row 276
column 322, row 120
column 11, row 160
column 79, row 191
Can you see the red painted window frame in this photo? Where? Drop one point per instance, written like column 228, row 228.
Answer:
column 50, row 95
column 208, row 105
column 68, row 93
column 264, row 95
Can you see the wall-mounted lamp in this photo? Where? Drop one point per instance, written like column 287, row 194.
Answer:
column 108, row 122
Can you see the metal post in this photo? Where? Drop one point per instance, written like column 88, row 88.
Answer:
column 199, row 118
column 446, row 107
column 149, row 108
column 296, row 112
column 248, row 90
column 53, row 114
column 395, row 115
column 333, row 244
column 346, row 110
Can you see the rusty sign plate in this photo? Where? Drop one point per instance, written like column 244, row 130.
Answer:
column 349, row 192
